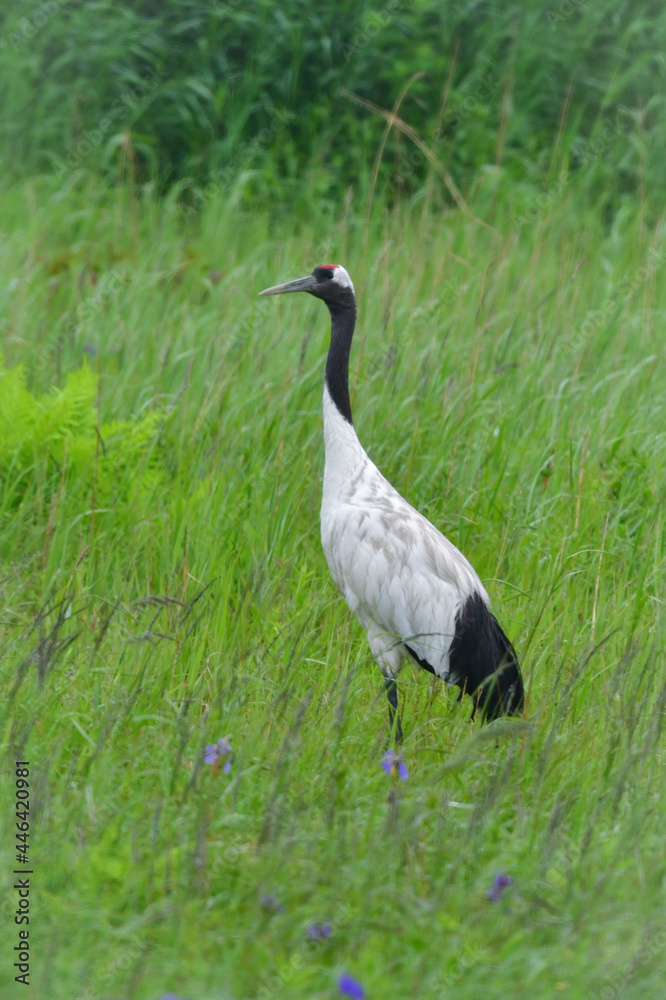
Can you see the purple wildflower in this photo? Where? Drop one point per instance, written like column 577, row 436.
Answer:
column 395, row 766
column 350, row 987
column 214, row 753
column 500, row 884
column 319, row 932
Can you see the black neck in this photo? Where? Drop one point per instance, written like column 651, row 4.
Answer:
column 343, row 320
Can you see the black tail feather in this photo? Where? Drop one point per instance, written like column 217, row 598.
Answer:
column 484, row 663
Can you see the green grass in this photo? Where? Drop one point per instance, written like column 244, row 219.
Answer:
column 509, row 381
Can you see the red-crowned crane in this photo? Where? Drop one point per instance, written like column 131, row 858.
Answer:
column 413, row 592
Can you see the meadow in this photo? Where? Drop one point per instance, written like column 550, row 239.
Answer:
column 162, row 586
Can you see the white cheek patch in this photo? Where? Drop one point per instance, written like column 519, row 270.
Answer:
column 340, row 277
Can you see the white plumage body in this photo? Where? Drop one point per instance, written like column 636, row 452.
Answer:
column 403, row 579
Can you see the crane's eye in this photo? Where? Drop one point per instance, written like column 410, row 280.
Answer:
column 325, row 271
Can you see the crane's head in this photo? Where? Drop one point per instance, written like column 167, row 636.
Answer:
column 329, row 282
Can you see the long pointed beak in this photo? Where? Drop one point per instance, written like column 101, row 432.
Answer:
column 299, row 285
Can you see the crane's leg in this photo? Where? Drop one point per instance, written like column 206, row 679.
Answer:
column 394, row 718
column 388, row 658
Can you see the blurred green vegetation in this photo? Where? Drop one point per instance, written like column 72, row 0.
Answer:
column 258, row 93
column 509, row 382
column 162, row 583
